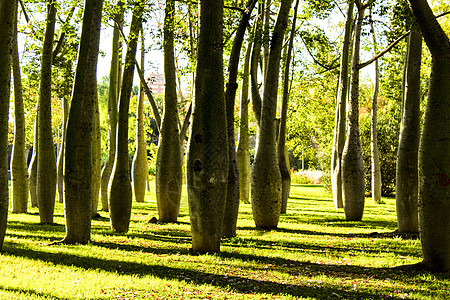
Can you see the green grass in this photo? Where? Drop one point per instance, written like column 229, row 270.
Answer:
column 315, row 254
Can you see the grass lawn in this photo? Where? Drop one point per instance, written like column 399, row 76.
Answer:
column 315, row 254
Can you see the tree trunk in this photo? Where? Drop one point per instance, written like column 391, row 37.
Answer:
column 46, row 163
column 256, row 54
column 353, row 185
column 232, row 202
column 375, row 156
column 266, row 177
column 119, row 189
column 114, row 79
column 7, row 11
column 407, row 192
column 96, row 157
column 282, row 158
column 19, row 173
column 243, row 146
column 32, row 168
column 207, row 157
column 434, row 161
column 61, row 152
column 139, row 168
column 78, row 161
column 341, row 108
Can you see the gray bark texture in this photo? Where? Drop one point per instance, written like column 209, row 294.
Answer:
column 7, row 16
column 46, row 157
column 407, row 192
column 78, row 161
column 341, row 108
column 19, row 173
column 169, row 164
column 266, row 177
column 353, row 185
column 434, row 161
column 207, row 156
column 119, row 189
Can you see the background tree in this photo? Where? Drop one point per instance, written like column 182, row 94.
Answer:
column 266, row 177
column 46, row 157
column 19, row 172
column 169, row 176
column 119, row 189
column 207, row 157
column 96, row 156
column 7, row 16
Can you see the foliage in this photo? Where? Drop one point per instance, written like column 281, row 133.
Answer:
column 315, row 254
column 306, row 177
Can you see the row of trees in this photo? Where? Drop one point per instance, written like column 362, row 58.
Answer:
column 215, row 183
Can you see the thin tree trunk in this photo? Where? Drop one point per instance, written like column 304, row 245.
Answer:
column 78, row 161
column 46, row 163
column 7, row 11
column 169, row 166
column 139, row 168
column 62, row 147
column 243, row 147
column 353, row 185
column 266, row 177
column 19, row 173
column 119, row 189
column 232, row 202
column 207, row 157
column 407, row 192
column 256, row 53
column 113, row 94
column 96, row 158
column 341, row 108
column 283, row 160
column 32, row 168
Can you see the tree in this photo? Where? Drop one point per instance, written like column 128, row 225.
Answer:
column 7, row 15
column 266, row 177
column 46, row 157
column 96, row 157
column 207, row 157
column 119, row 189
column 169, row 175
column 434, row 161
column 19, row 173
column 341, row 108
column 406, row 195
column 78, row 161
column 139, row 168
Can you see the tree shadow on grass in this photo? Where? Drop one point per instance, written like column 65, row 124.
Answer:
column 28, row 293
column 234, row 283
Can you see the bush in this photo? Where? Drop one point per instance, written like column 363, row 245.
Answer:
column 306, row 177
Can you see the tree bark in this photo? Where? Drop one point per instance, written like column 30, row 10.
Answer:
column 341, row 108
column 283, row 160
column 434, row 161
column 256, row 54
column 169, row 172
column 353, row 185
column 32, row 168
column 113, row 94
column 232, row 202
column 46, row 163
column 78, row 161
column 139, row 168
column 7, row 11
column 96, row 157
column 19, row 173
column 407, row 192
column 119, row 189
column 207, row 157
column 266, row 177
column 61, row 152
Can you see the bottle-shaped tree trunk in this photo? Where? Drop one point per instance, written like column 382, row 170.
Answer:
column 139, row 168
column 113, row 94
column 207, row 157
column 243, row 145
column 407, row 192
column 283, row 159
column 266, row 177
column 19, row 173
column 7, row 16
column 46, row 157
column 341, row 110
column 232, row 203
column 353, row 185
column 119, row 189
column 169, row 177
